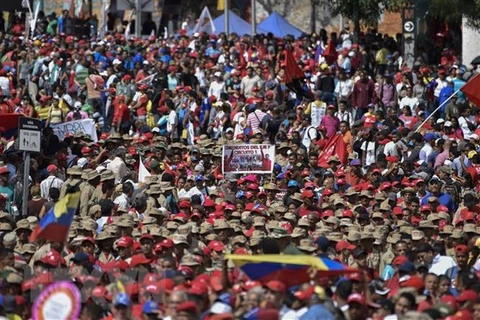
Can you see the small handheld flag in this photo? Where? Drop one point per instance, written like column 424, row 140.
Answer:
column 55, row 224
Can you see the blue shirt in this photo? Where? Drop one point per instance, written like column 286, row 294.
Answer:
column 8, row 193
column 443, row 198
column 317, row 311
column 457, row 84
column 204, row 108
column 445, row 93
column 12, row 170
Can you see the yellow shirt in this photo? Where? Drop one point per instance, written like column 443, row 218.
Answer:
column 43, row 111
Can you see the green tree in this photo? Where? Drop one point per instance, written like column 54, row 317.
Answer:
column 366, row 12
column 453, row 11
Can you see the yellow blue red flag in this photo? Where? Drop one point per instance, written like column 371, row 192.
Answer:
column 55, row 224
column 290, row 269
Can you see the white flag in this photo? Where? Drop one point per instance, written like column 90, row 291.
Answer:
column 142, row 172
column 205, row 23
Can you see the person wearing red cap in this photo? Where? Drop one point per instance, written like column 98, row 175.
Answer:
column 124, row 249
column 275, row 294
column 121, row 115
column 139, row 106
column 344, row 250
column 50, row 182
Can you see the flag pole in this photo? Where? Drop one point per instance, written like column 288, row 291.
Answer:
column 227, row 20
column 438, row 108
column 253, row 13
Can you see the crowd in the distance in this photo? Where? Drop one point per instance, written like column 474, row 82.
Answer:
column 401, row 206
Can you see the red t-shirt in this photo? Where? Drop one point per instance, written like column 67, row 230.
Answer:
column 142, row 110
column 121, row 111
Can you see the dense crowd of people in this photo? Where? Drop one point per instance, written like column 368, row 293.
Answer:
column 400, row 206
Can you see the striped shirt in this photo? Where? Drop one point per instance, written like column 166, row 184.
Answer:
column 254, row 119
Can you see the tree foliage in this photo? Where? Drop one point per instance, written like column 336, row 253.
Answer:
column 369, row 11
column 453, row 11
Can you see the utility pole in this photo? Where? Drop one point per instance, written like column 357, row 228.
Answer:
column 253, row 18
column 138, row 18
column 227, row 18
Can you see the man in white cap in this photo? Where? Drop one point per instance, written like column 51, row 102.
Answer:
column 217, row 87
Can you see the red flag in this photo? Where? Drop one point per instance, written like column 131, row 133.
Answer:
column 292, row 70
column 335, row 146
column 472, row 90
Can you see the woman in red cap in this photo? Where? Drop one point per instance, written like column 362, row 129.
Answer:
column 140, row 106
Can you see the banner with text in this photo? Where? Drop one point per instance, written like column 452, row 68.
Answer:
column 248, row 158
column 86, row 126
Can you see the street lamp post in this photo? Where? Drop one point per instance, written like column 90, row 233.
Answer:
column 227, row 18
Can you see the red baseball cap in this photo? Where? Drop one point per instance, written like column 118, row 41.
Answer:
column 86, row 150
column 425, row 207
column 89, row 239
column 357, row 298
column 467, row 295
column 327, row 213
column 52, row 259
column 138, row 260
column 240, row 251
column 461, row 248
column 344, row 245
column 276, row 286
column 216, row 246
column 198, row 288
column 147, row 236
column 208, row 203
column 216, row 283
column 414, row 282
column 50, row 168
column 167, row 284
column 307, row 194
column 167, row 243
column 230, row 207
column 327, row 192
column 450, row 301
column 158, row 248
column 392, row 159
column 385, row 185
column 124, row 242
column 252, row 186
column 397, row 211
column 399, row 260
column 442, row 208
column 347, row 214
column 184, row 204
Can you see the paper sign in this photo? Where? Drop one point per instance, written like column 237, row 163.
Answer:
column 248, row 158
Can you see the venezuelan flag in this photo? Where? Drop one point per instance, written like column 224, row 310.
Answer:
column 55, row 224
column 289, row 269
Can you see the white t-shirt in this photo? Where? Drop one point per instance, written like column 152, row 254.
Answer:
column 411, row 102
column 216, row 88
column 172, row 120
column 440, row 85
column 369, row 148
column 463, row 124
column 344, row 88
column 238, row 119
column 390, row 149
column 5, row 86
column 309, row 134
column 441, row 264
